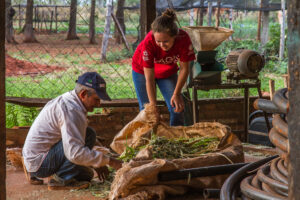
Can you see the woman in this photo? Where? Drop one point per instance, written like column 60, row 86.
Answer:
column 155, row 62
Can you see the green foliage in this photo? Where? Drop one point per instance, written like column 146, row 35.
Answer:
column 271, row 49
column 19, row 116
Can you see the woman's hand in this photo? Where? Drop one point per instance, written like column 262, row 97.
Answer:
column 177, row 102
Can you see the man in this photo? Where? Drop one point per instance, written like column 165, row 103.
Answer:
column 60, row 143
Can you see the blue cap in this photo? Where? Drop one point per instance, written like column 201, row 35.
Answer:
column 95, row 81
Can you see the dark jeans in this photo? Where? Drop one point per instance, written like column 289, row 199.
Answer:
column 57, row 163
column 166, row 87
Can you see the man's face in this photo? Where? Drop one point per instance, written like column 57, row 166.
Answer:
column 89, row 102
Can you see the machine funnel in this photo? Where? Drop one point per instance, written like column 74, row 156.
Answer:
column 207, row 38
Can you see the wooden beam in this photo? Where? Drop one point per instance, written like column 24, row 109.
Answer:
column 259, row 21
column 39, row 102
column 15, row 137
column 120, row 30
column 294, row 98
column 2, row 104
column 148, row 14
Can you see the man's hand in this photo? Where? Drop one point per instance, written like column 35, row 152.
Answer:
column 102, row 173
column 114, row 163
column 177, row 102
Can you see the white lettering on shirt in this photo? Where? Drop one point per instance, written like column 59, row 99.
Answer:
column 167, row 60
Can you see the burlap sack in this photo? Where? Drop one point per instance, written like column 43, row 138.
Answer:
column 131, row 134
column 138, row 179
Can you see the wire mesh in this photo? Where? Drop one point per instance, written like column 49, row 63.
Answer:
column 50, row 66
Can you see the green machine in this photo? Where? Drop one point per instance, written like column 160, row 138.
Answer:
column 205, row 69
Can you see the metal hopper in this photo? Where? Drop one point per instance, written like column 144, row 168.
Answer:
column 207, row 38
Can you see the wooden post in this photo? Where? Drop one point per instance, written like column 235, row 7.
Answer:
column 230, row 21
column 2, row 104
column 282, row 31
column 259, row 22
column 209, row 12
column 294, row 98
column 201, row 12
column 148, row 14
column 218, row 14
column 271, row 88
column 120, row 31
column 109, row 10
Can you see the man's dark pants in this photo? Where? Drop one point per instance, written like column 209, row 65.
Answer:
column 57, row 163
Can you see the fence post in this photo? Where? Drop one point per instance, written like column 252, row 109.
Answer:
column 294, row 98
column 148, row 14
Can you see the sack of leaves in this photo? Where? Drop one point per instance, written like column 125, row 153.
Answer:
column 149, row 148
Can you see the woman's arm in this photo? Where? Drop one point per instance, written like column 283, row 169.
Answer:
column 177, row 100
column 150, row 85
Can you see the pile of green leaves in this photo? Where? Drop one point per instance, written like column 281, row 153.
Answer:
column 174, row 148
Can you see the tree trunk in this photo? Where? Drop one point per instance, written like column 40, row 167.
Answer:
column 105, row 38
column 28, row 28
column 120, row 18
column 92, row 23
column 265, row 24
column 101, row 4
column 209, row 13
column 282, row 31
column 72, row 22
column 9, row 29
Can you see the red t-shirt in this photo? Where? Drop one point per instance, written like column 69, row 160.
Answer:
column 148, row 54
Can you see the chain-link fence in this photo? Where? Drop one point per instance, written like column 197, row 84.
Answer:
column 49, row 64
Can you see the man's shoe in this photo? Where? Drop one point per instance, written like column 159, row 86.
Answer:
column 72, row 184
column 36, row 181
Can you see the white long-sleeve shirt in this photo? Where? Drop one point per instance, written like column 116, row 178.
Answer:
column 63, row 118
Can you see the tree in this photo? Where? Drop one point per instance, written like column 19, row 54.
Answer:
column 120, row 18
column 92, row 23
column 109, row 10
column 9, row 29
column 28, row 27
column 72, row 22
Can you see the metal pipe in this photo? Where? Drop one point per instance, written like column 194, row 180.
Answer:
column 265, row 105
column 262, row 175
column 255, row 182
column 282, row 168
column 276, row 174
column 278, row 140
column 211, row 193
column 280, row 125
column 237, row 176
column 199, row 172
column 253, row 193
column 281, row 101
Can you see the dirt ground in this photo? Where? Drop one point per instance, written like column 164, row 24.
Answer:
column 54, row 45
column 17, row 188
